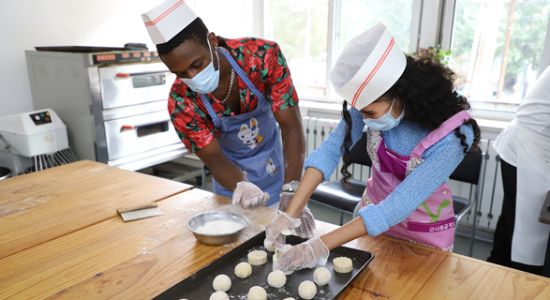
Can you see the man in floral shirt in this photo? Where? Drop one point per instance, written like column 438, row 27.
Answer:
column 225, row 105
column 265, row 66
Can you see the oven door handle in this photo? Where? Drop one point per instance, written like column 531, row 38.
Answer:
column 147, row 129
column 123, row 75
column 127, row 127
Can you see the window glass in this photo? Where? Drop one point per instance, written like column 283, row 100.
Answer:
column 360, row 15
column 229, row 19
column 148, row 81
column 496, row 50
column 300, row 28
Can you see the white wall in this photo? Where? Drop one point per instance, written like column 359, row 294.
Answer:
column 25, row 24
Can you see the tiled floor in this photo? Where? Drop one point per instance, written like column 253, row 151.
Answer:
column 324, row 213
column 481, row 249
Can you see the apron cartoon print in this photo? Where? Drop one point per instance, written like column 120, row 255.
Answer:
column 250, row 135
column 251, row 141
column 432, row 223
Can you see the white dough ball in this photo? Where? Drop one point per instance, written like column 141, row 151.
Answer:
column 289, row 298
column 219, row 296
column 322, row 276
column 222, row 283
column 243, row 270
column 276, row 279
column 257, row 293
column 307, row 289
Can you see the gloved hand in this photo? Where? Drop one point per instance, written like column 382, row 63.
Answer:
column 305, row 230
column 249, row 196
column 273, row 231
column 305, row 255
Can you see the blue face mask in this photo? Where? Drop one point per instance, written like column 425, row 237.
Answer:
column 386, row 122
column 206, row 81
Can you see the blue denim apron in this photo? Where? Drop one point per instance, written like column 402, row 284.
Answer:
column 251, row 141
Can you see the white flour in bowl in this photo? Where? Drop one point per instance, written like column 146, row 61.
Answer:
column 219, row 227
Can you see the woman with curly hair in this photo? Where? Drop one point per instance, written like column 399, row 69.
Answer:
column 418, row 132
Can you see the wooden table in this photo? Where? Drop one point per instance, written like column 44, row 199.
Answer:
column 60, row 238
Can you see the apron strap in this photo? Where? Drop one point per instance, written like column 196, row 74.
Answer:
column 245, row 79
column 443, row 130
column 211, row 112
column 241, row 73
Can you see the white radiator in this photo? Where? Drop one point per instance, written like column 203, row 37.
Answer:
column 318, row 129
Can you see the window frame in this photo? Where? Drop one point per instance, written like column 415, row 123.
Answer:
column 333, row 32
column 445, row 40
column 431, row 25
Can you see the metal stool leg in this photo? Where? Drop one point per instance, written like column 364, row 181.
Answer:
column 474, row 226
column 356, row 211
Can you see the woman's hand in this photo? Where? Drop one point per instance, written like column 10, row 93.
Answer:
column 282, row 222
column 307, row 226
column 249, row 196
column 305, row 255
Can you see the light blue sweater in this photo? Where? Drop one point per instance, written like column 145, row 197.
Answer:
column 440, row 161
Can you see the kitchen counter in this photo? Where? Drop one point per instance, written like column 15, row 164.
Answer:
column 61, row 238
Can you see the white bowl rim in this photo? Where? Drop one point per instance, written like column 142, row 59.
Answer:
column 216, row 212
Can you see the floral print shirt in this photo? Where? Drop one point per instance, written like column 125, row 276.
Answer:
column 265, row 66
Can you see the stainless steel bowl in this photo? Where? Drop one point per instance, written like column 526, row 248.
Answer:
column 217, row 239
column 4, row 173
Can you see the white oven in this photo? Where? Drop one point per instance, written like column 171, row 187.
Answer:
column 114, row 104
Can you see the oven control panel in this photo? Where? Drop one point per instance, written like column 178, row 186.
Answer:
column 41, row 118
column 119, row 57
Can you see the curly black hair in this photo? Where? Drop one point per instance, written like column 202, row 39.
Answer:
column 195, row 31
column 427, row 90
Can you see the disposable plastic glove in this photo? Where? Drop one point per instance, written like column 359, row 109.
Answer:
column 305, row 255
column 282, row 222
column 249, row 196
column 305, row 230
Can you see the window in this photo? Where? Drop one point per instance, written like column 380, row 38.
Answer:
column 300, row 29
column 303, row 30
column 356, row 16
column 498, row 46
column 497, row 50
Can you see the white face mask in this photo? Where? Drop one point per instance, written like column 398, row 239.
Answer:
column 207, row 80
column 386, row 122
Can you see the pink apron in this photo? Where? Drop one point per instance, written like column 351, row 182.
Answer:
column 432, row 223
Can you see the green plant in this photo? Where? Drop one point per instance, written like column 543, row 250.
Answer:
column 437, row 55
column 444, row 58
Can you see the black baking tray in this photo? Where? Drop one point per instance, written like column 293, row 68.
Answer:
column 199, row 285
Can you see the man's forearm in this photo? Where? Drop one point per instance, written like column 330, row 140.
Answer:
column 294, row 145
column 227, row 174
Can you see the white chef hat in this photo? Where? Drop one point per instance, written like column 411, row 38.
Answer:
column 368, row 67
column 167, row 20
